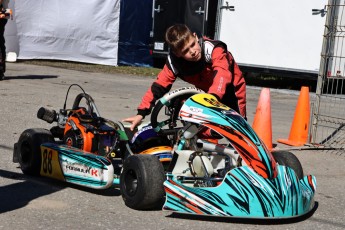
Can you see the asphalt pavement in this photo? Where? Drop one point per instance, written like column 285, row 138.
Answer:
column 40, row 203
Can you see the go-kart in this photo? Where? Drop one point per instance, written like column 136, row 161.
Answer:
column 84, row 148
column 229, row 173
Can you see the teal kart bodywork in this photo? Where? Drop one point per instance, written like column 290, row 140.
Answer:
column 243, row 193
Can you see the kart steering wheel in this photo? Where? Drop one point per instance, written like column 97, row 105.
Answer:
column 173, row 101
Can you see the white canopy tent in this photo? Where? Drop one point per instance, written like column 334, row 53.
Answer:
column 74, row 30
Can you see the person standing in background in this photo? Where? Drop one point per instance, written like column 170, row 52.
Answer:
column 3, row 21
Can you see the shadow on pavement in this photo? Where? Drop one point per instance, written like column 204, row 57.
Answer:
column 18, row 195
column 28, row 188
column 34, row 77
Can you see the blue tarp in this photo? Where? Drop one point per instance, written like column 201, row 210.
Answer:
column 134, row 33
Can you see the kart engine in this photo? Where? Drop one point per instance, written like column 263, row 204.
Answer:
column 77, row 128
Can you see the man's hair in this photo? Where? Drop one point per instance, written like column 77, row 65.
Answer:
column 177, row 36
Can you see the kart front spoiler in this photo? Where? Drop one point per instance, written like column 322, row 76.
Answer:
column 243, row 193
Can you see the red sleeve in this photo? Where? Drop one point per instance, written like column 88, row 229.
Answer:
column 159, row 87
column 221, row 68
column 240, row 90
column 221, row 64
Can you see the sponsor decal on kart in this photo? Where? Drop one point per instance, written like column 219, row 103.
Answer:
column 77, row 169
column 195, row 109
column 81, row 169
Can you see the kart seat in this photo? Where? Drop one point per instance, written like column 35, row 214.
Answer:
column 182, row 167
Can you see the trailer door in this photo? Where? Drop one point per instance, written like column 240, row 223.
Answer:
column 275, row 34
column 165, row 13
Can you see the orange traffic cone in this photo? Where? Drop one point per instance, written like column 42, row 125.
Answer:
column 300, row 125
column 262, row 124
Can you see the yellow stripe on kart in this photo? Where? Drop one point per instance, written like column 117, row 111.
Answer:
column 209, row 100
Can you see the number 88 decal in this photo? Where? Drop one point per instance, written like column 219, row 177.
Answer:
column 47, row 161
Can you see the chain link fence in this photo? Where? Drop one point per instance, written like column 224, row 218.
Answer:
column 328, row 115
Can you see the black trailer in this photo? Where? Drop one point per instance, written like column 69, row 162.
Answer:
column 201, row 16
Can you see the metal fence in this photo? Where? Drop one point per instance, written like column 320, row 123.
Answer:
column 328, row 115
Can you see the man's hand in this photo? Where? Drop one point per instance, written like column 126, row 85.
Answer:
column 135, row 120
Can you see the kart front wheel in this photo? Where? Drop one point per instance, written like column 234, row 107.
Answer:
column 29, row 150
column 141, row 182
column 290, row 160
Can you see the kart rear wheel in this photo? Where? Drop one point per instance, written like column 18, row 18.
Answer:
column 141, row 182
column 290, row 160
column 29, row 151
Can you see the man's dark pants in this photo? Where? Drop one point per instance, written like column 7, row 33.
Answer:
column 2, row 46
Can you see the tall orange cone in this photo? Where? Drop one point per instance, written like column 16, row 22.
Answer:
column 300, row 125
column 262, row 124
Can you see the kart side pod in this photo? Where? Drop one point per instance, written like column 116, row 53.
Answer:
column 76, row 166
column 37, row 155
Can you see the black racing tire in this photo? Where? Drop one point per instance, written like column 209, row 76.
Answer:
column 29, row 151
column 290, row 160
column 141, row 182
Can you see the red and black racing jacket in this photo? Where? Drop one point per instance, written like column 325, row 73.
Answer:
column 216, row 73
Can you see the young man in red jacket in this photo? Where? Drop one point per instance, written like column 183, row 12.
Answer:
column 205, row 63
